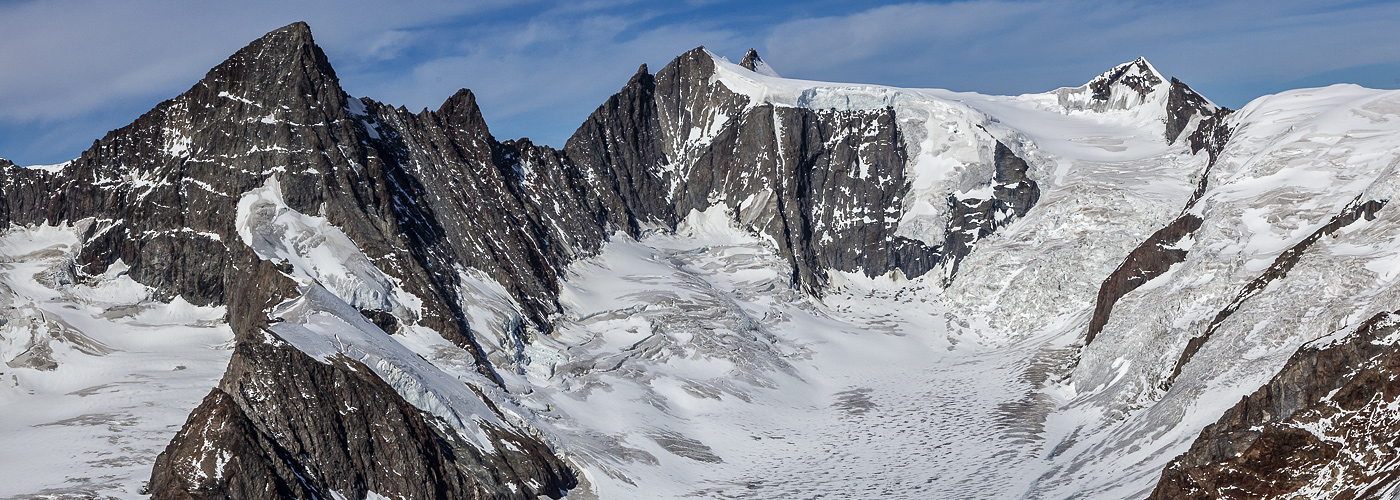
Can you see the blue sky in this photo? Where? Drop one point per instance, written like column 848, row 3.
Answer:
column 70, row 70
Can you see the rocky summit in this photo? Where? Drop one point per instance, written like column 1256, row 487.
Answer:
column 725, row 284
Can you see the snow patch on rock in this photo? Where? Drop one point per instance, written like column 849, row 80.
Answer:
column 318, row 252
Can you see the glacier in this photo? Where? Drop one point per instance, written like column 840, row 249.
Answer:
column 689, row 360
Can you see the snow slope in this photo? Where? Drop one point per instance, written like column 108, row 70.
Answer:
column 98, row 375
column 1296, row 161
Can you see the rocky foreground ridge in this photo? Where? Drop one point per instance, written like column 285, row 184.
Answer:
column 234, row 193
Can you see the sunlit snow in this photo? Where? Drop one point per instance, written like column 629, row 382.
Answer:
column 685, row 365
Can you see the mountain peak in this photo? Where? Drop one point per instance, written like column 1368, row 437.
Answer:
column 1126, row 86
column 754, row 63
column 296, row 31
column 283, row 67
column 1138, row 75
column 750, row 58
column 462, row 110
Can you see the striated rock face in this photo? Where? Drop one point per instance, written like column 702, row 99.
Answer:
column 821, row 185
column 1324, row 426
column 619, row 147
column 219, row 453
column 783, row 190
column 350, row 434
column 1184, row 104
column 163, row 188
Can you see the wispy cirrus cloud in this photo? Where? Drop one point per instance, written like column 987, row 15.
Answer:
column 1026, row 46
column 551, row 69
column 72, row 69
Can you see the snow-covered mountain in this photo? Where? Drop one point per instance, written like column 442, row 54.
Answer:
column 726, row 284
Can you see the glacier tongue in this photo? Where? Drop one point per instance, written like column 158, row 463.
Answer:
column 685, row 366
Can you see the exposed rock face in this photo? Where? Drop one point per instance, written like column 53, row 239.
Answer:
column 284, row 425
column 1324, row 426
column 1210, row 136
column 1149, row 260
column 817, row 183
column 137, row 179
column 750, row 60
column 351, row 434
column 221, row 454
column 1183, row 104
column 1123, row 87
column 1013, row 194
column 463, row 200
column 620, row 148
column 1137, row 75
column 783, row 190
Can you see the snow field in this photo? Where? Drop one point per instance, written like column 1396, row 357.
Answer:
column 120, row 372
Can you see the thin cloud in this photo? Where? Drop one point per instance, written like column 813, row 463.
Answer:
column 538, row 68
column 1016, row 47
column 68, row 57
column 518, row 82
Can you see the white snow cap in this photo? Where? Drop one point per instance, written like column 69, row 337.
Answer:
column 1126, row 86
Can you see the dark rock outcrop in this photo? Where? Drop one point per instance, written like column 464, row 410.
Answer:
column 971, row 219
column 820, row 184
column 784, row 184
column 620, row 146
column 1210, row 135
column 750, row 60
column 1183, row 104
column 285, row 425
column 219, row 454
column 1324, row 425
column 1149, row 260
column 347, row 432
